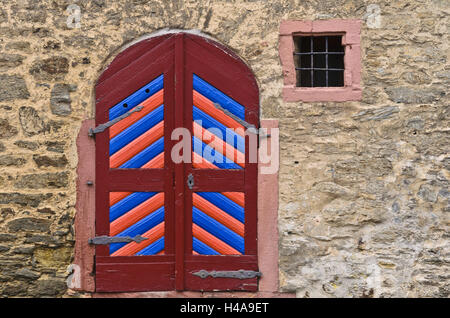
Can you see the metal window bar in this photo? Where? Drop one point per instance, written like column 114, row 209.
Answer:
column 312, row 68
column 312, row 63
column 318, row 69
column 318, row 53
column 326, row 61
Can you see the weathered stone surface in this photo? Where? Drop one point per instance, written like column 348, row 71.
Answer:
column 5, row 237
column 46, row 161
column 55, row 146
column 33, row 12
column 13, row 87
column 6, row 129
column 55, row 125
column 42, row 240
column 29, row 224
column 60, row 102
column 2, row 147
column 79, row 41
column 3, row 16
column 52, row 45
column 19, row 46
column 427, row 193
column 50, row 287
column 23, row 250
column 417, row 77
column 46, row 210
column 25, row 273
column 7, row 211
column 31, row 122
column 15, row 290
column 43, row 180
column 12, row 161
column 376, row 114
column 30, row 145
column 53, row 68
column 410, row 95
column 13, row 32
column 52, row 257
column 8, row 61
column 22, row 199
column 4, row 248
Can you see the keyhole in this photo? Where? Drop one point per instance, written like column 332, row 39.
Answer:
column 190, row 181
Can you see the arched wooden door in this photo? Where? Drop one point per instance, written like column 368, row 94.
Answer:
column 197, row 217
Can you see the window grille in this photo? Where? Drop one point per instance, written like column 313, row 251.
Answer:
column 319, row 61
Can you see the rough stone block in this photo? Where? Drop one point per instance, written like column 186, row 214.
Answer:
column 13, row 87
column 44, row 180
column 53, row 68
column 29, row 224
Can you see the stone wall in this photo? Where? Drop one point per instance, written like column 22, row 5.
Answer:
column 363, row 185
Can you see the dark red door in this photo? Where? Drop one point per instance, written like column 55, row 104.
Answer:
column 195, row 215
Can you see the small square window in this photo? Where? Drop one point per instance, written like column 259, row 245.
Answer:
column 319, row 61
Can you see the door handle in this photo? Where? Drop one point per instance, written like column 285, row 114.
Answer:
column 190, row 181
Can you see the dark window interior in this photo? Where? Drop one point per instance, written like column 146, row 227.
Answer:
column 319, row 61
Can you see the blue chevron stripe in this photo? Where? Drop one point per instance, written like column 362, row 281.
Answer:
column 135, row 130
column 145, row 155
column 218, row 230
column 217, row 96
column 228, row 135
column 153, row 248
column 137, row 97
column 225, row 204
column 128, row 203
column 213, row 156
column 201, row 248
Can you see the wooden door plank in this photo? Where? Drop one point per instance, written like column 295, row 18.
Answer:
column 179, row 167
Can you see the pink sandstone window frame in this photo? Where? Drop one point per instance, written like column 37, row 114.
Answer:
column 350, row 29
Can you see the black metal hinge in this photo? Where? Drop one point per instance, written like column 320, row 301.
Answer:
column 105, row 240
column 239, row 274
column 102, row 127
column 247, row 125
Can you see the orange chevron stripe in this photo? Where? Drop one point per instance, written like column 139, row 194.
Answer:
column 237, row 197
column 157, row 162
column 207, row 106
column 136, row 214
column 199, row 162
column 212, row 241
column 132, row 248
column 217, row 214
column 149, row 104
column 115, row 197
column 219, row 145
column 137, row 145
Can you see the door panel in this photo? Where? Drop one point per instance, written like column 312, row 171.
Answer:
column 209, row 225
column 217, row 224
column 134, row 188
column 221, row 204
column 140, row 213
